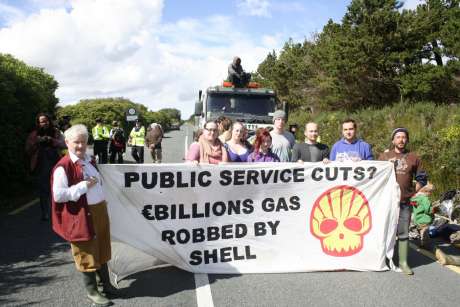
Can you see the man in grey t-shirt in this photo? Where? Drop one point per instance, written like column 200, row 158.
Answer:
column 311, row 150
column 282, row 141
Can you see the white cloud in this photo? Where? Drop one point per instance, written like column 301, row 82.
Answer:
column 102, row 48
column 259, row 8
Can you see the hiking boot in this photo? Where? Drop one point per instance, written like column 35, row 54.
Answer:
column 403, row 251
column 107, row 288
column 98, row 300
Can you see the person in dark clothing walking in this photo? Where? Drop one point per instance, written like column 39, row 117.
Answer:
column 44, row 145
column 153, row 140
column 117, row 144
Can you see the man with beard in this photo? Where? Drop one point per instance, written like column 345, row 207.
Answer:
column 43, row 146
column 408, row 167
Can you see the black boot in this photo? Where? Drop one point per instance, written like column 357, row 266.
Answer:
column 89, row 280
column 107, row 288
column 44, row 206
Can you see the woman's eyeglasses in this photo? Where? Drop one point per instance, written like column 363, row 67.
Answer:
column 211, row 130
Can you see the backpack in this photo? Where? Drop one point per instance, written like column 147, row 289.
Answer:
column 119, row 138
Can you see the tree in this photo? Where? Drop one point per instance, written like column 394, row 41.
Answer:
column 289, row 73
column 24, row 92
column 435, row 56
column 109, row 109
column 173, row 114
column 376, row 56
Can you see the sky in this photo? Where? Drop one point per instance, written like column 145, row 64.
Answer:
column 158, row 53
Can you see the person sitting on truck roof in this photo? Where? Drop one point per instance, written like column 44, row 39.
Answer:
column 237, row 75
column 209, row 148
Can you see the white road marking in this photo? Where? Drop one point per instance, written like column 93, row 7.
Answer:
column 203, row 291
column 22, row 208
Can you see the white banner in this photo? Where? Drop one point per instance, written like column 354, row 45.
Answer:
column 256, row 218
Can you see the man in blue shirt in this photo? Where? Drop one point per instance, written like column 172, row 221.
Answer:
column 350, row 147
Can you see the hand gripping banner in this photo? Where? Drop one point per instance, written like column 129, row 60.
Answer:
column 257, row 218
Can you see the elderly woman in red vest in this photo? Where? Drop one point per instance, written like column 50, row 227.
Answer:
column 79, row 213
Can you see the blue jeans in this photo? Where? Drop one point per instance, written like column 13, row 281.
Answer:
column 405, row 212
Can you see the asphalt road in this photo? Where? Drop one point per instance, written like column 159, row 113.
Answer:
column 36, row 268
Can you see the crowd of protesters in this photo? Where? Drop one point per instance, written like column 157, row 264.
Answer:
column 229, row 143
column 279, row 145
column 68, row 177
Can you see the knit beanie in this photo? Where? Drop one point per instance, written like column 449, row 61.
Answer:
column 279, row 114
column 401, row 129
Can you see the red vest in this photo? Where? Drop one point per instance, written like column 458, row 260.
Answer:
column 71, row 220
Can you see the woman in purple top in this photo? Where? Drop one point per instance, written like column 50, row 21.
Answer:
column 236, row 149
column 262, row 151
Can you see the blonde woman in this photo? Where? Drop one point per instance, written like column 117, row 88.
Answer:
column 236, row 149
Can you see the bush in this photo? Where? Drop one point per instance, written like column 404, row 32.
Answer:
column 24, row 92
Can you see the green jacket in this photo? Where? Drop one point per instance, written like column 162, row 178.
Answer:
column 422, row 210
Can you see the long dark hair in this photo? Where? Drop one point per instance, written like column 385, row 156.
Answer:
column 50, row 131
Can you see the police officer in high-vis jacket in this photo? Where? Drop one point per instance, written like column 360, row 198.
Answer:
column 137, row 141
column 101, row 141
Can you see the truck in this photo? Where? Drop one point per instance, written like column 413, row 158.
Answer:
column 253, row 105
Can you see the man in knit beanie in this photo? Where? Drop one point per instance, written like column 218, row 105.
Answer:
column 408, row 167
column 282, row 140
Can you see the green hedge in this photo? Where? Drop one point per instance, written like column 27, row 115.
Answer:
column 109, row 109
column 24, row 92
column 434, row 134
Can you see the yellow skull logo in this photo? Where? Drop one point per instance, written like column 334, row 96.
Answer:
column 340, row 218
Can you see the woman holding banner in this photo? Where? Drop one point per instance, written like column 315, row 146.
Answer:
column 209, row 149
column 236, row 149
column 79, row 214
column 262, row 151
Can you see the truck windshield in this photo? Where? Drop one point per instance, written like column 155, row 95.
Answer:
column 260, row 105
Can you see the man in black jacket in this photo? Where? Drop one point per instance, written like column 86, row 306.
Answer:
column 311, row 150
column 237, row 75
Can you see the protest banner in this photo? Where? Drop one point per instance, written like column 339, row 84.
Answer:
column 256, row 218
